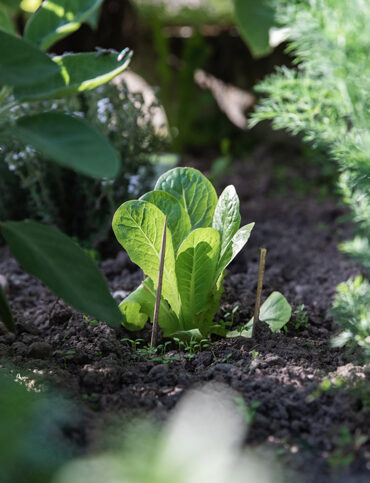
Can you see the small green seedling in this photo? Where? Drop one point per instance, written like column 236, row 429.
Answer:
column 255, row 354
column 301, row 317
column 227, row 320
column 203, row 236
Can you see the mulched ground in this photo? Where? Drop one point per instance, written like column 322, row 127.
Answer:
column 282, row 371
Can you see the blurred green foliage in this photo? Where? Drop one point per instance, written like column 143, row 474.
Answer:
column 185, row 12
column 33, row 188
column 326, row 100
column 351, row 309
column 32, row 443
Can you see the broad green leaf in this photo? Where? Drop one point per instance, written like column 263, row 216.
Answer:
column 196, row 265
column 80, row 72
column 226, row 219
column 234, row 246
column 5, row 22
column 138, row 307
column 194, row 191
column 138, row 227
column 57, row 18
column 178, row 220
column 63, row 266
column 275, row 312
column 6, row 315
column 22, row 64
column 254, row 19
column 70, row 142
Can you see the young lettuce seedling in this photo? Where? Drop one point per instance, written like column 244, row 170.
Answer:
column 203, row 236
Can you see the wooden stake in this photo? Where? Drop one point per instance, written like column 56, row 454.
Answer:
column 153, row 341
column 261, row 272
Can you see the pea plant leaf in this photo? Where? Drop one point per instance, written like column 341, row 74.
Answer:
column 138, row 307
column 57, row 18
column 70, row 142
column 194, row 191
column 196, row 265
column 178, row 220
column 23, row 65
column 138, row 227
column 74, row 73
column 6, row 315
column 275, row 312
column 63, row 266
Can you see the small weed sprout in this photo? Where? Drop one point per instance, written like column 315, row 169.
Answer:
column 301, row 317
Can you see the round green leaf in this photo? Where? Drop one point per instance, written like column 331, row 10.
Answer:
column 194, row 191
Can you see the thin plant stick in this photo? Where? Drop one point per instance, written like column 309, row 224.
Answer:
column 261, row 272
column 153, row 341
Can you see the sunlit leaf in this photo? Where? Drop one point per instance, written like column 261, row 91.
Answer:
column 80, row 72
column 57, row 18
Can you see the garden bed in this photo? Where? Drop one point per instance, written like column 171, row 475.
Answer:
column 283, row 372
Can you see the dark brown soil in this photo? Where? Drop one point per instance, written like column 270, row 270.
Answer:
column 281, row 371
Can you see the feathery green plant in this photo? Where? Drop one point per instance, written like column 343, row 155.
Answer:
column 326, row 100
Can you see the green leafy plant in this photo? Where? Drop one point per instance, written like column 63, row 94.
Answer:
column 29, row 74
column 275, row 312
column 351, row 309
column 35, row 188
column 203, row 237
column 325, row 100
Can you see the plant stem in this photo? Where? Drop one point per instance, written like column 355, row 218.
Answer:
column 261, row 272
column 153, row 341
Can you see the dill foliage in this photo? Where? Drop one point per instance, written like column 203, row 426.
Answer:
column 325, row 99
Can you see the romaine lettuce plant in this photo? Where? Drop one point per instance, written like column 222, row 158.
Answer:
column 203, row 236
